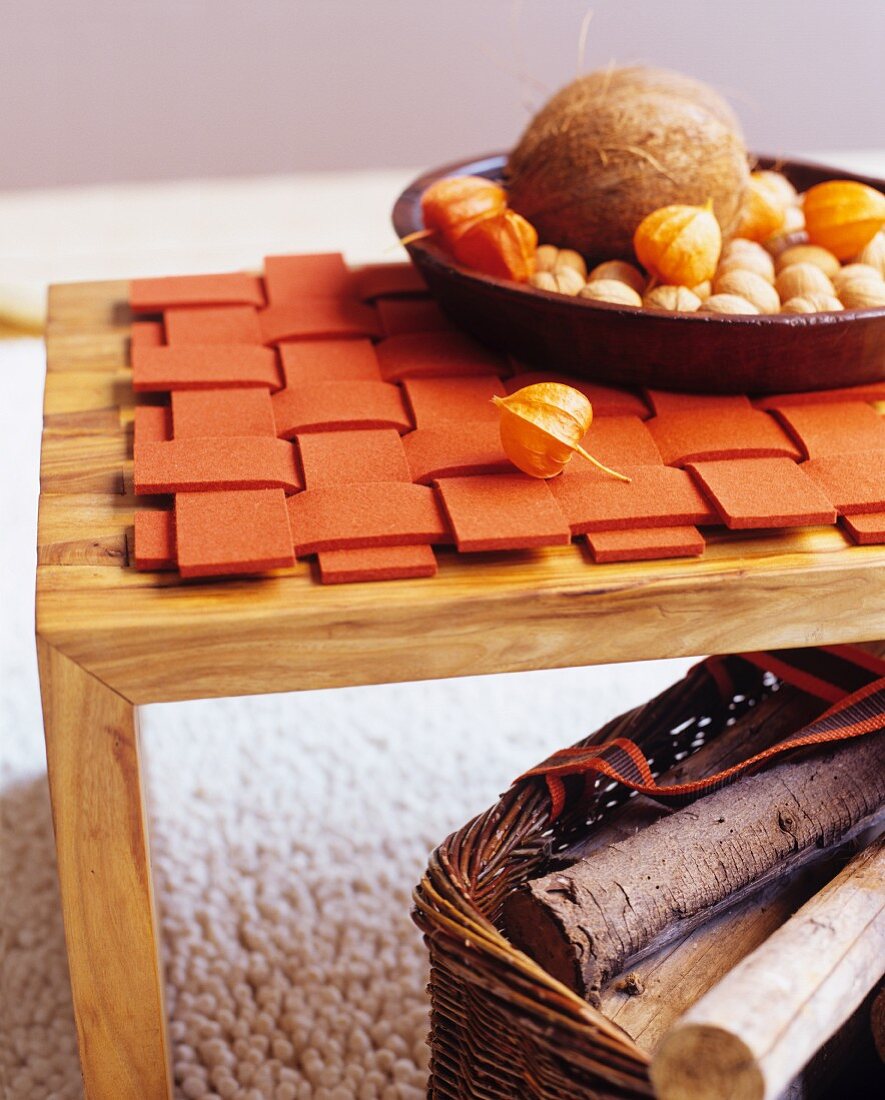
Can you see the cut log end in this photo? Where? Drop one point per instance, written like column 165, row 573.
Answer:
column 877, row 1022
column 536, row 931
column 701, row 1062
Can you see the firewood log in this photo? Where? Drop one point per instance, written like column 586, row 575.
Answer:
column 750, row 1034
column 589, row 921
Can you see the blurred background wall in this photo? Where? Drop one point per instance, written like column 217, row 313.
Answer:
column 100, row 90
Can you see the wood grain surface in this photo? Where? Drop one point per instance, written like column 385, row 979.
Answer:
column 106, row 890
column 153, row 637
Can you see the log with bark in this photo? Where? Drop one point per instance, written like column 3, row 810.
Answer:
column 770, row 721
column 587, row 922
column 750, row 1034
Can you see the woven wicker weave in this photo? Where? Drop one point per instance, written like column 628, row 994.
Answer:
column 500, row 1025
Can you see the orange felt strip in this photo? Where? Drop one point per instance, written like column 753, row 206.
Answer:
column 872, row 391
column 329, row 361
column 233, row 289
column 867, row 529
column 852, row 483
column 341, row 517
column 615, row 441
column 645, row 544
column 376, row 563
column 154, row 539
column 152, row 424
column 844, row 427
column 222, row 462
column 241, row 531
column 346, row 458
column 763, row 492
column 436, row 355
column 197, row 413
column 147, row 334
column 312, row 318
column 215, row 325
column 437, row 401
column 288, row 279
column 456, row 450
column 398, row 315
column 382, row 280
column 606, row 400
column 656, row 496
column 502, row 512
column 707, row 435
column 331, row 406
column 201, row 367
column 666, row 401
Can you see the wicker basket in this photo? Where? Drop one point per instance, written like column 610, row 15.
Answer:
column 501, row 1026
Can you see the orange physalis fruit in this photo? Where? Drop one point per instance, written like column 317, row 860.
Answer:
column 679, row 244
column 542, row 427
column 453, row 205
column 502, row 246
column 764, row 210
column 843, row 216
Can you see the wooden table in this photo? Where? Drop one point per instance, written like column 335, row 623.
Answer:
column 110, row 638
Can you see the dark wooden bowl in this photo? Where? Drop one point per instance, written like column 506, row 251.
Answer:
column 636, row 347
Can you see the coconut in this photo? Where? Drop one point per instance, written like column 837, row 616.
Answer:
column 617, row 144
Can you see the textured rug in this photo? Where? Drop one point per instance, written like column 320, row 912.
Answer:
column 288, row 833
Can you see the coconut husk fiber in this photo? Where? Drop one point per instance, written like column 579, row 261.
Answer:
column 617, row 144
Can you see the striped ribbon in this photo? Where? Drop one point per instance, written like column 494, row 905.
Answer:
column 851, row 679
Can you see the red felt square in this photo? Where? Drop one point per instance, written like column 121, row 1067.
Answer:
column 615, row 441
column 666, row 401
column 198, row 413
column 867, row 528
column 503, row 512
column 221, row 462
column 437, row 401
column 852, row 483
column 312, row 318
column 705, row 435
column 645, row 544
column 400, row 315
column 345, row 458
column 336, row 406
column 843, row 427
column 329, row 361
column 288, row 279
column 234, row 289
column 376, row 563
column 606, row 400
column 147, row 334
column 383, row 280
column 436, row 355
column 244, row 531
column 202, row 367
column 215, row 325
column 152, row 424
column 763, row 492
column 154, row 540
column 872, row 391
column 456, row 450
column 389, row 513
column 656, row 496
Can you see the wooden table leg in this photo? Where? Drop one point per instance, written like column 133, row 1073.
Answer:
column 106, row 889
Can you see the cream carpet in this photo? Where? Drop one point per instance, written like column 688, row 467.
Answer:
column 288, row 832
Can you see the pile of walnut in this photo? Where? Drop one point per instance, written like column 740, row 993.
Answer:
column 769, row 266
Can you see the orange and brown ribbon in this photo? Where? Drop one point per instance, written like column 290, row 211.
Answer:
column 851, row 679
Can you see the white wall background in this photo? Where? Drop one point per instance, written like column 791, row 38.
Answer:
column 102, row 90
